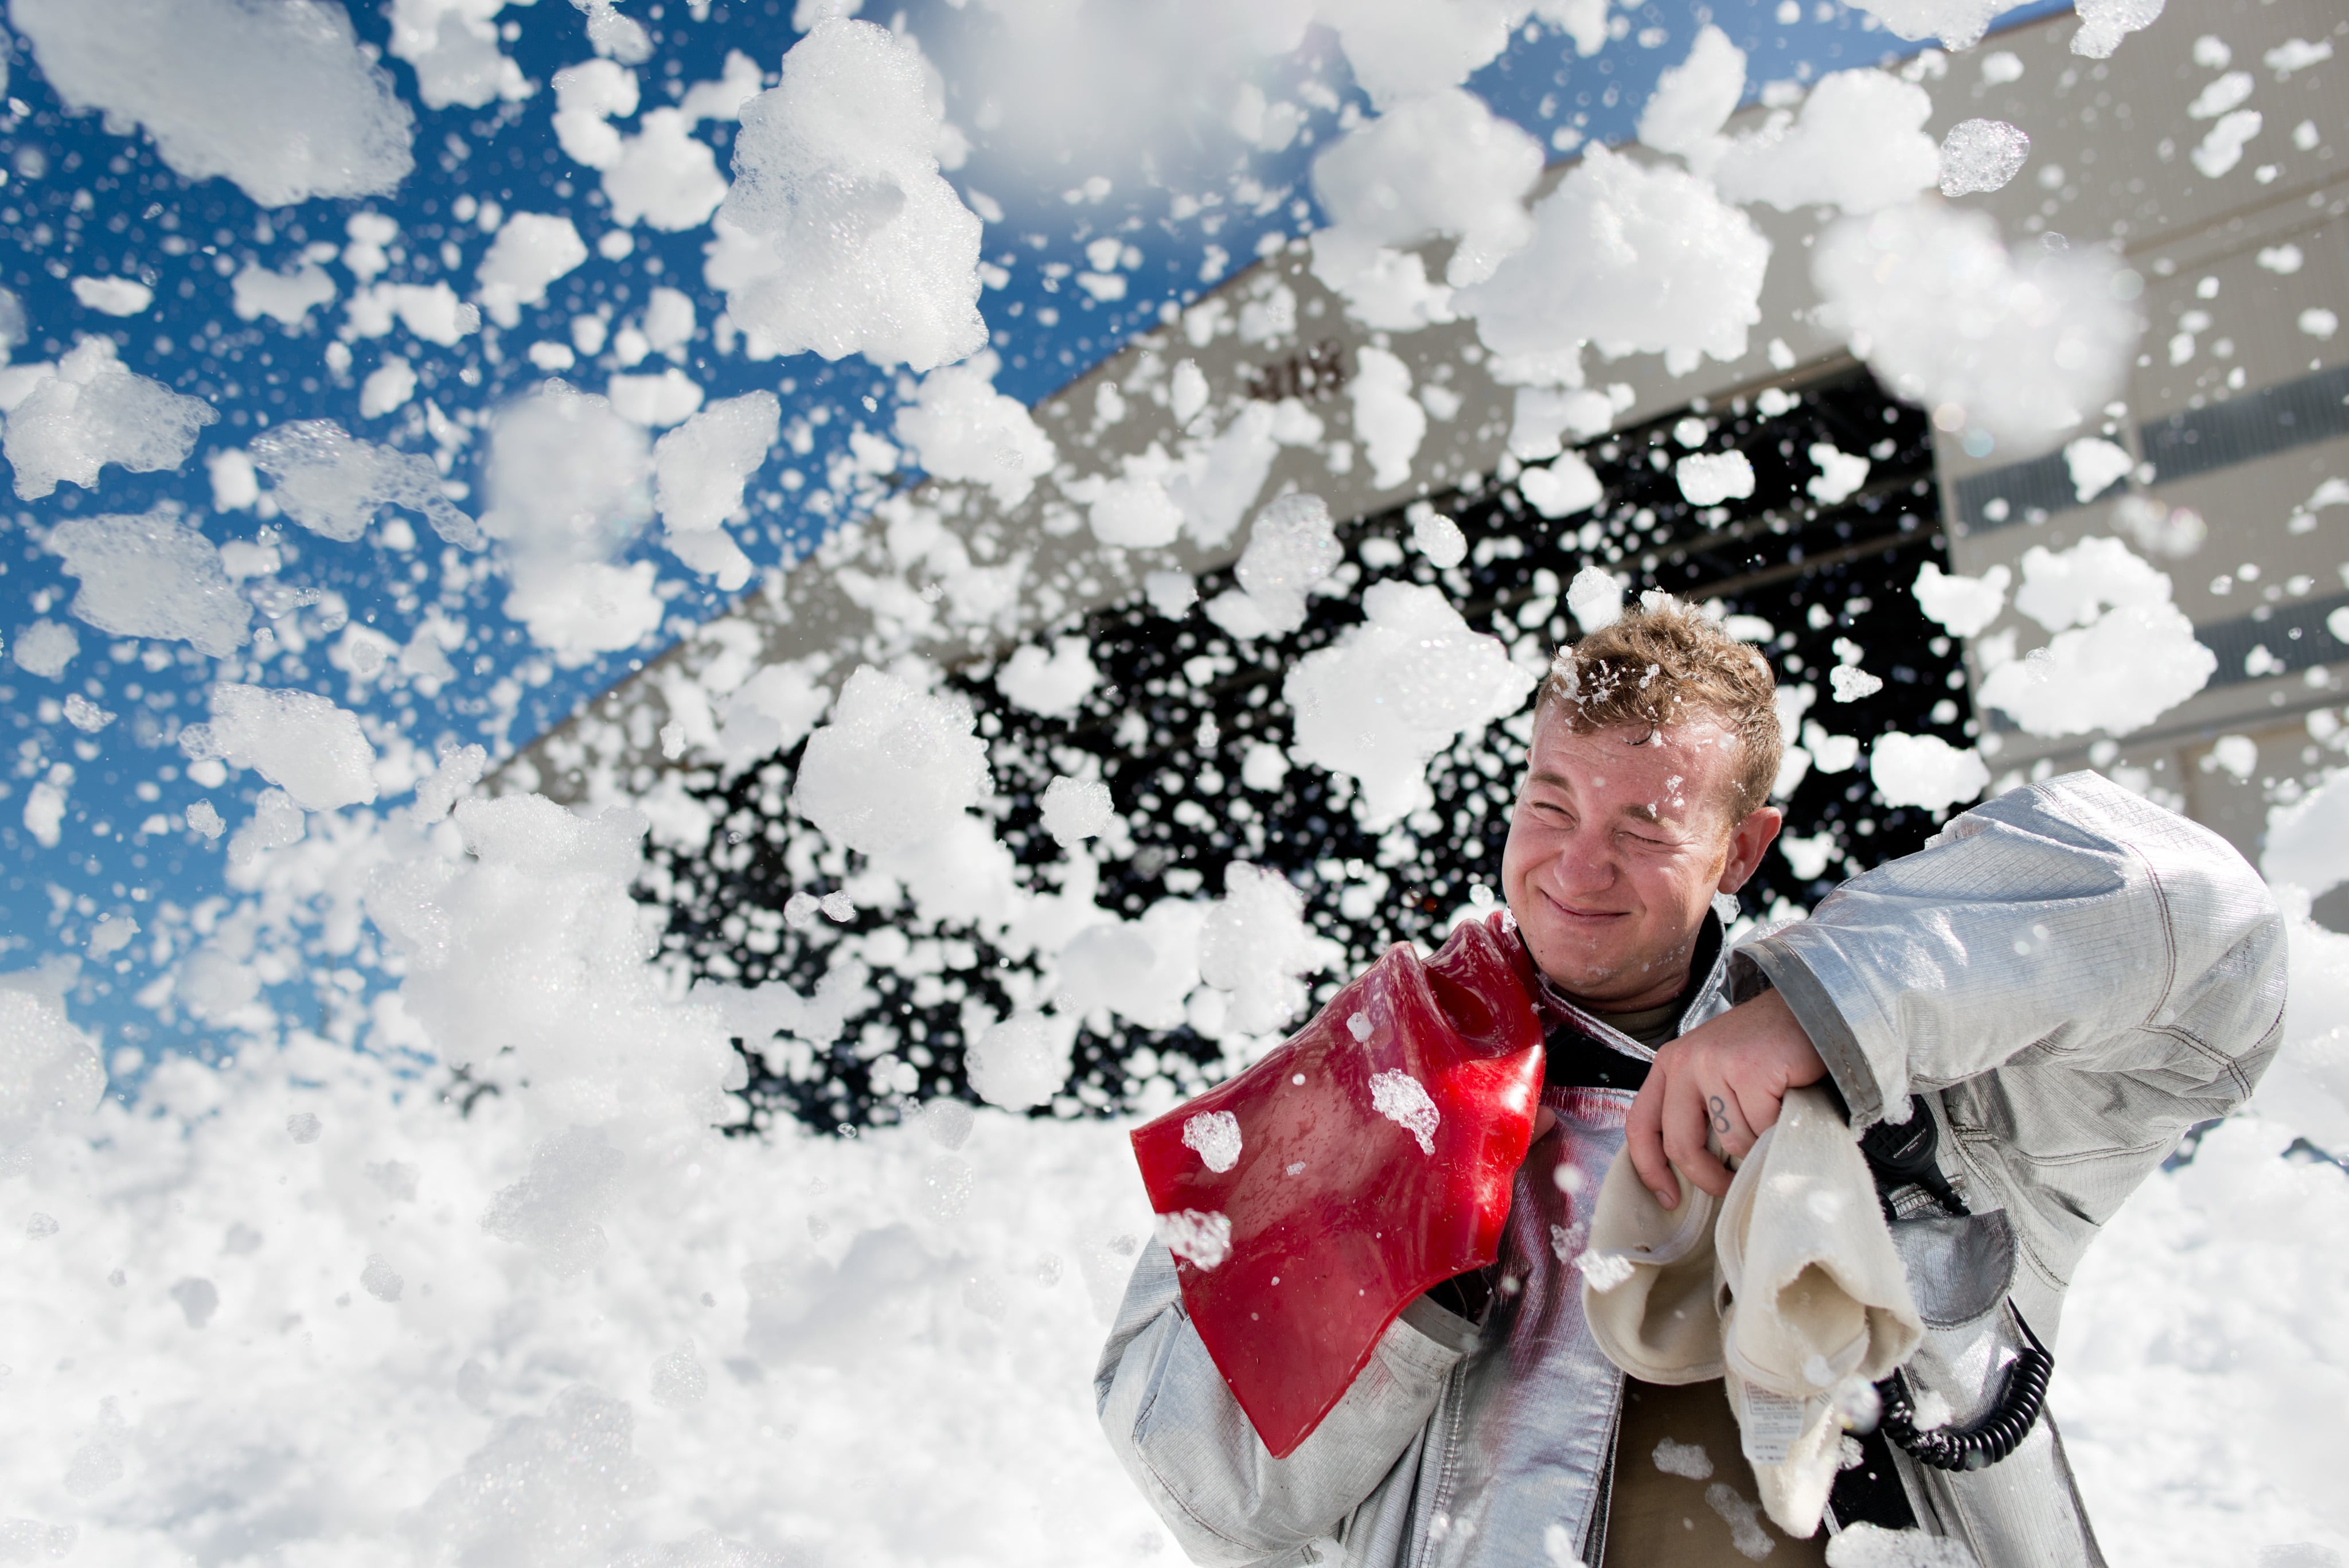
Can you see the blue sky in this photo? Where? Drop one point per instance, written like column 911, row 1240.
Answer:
column 1140, row 146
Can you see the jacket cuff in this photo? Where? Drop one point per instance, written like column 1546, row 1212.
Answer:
column 1815, row 1009
column 1448, row 1328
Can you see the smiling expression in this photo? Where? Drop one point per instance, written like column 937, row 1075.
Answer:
column 1617, row 843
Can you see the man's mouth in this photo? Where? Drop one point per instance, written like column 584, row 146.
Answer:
column 1585, row 917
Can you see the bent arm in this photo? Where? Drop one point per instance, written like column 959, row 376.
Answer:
column 2071, row 920
column 1174, row 1425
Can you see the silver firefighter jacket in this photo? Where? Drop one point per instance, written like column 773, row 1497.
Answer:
column 2069, row 975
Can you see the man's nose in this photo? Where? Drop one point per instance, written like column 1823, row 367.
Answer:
column 1582, row 863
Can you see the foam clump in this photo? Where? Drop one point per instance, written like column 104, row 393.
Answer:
column 1254, row 946
column 2122, row 656
column 1054, row 685
column 2070, row 587
column 92, row 411
column 1388, row 421
column 1710, row 478
column 532, row 941
column 1874, row 1546
column 545, row 1491
column 45, row 647
column 1924, row 770
column 770, row 712
column 1022, row 1061
column 2018, row 350
column 895, row 767
column 1695, row 99
column 286, row 298
column 861, row 245
column 553, row 1211
column 1143, row 971
column 1858, row 143
column 1077, row 809
column 1595, row 598
column 1982, row 155
column 1393, row 691
column 1964, row 605
column 453, row 45
column 2104, row 23
column 1632, row 259
column 1404, row 1100
column 279, row 98
column 960, row 427
column 699, row 469
column 532, row 250
column 49, row 1069
column 333, row 484
column 1958, row 24
column 1442, row 166
column 568, row 489
column 665, row 177
column 152, row 576
column 297, row 740
column 1292, row 546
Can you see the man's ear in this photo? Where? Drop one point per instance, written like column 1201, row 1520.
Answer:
column 1748, row 842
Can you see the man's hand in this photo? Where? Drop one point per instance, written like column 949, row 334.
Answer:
column 1724, row 1078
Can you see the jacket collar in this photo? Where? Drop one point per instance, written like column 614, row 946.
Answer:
column 1708, row 972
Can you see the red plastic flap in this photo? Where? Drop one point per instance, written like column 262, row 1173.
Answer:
column 1377, row 1147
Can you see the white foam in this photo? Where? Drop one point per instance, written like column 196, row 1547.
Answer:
column 960, row 427
column 1958, row 24
column 1980, row 155
column 2104, row 23
column 532, row 250
column 1695, row 99
column 334, row 483
column 699, row 469
column 861, row 245
column 1388, row 421
column 1022, row 1061
column 1404, row 1100
column 1053, row 685
column 1076, row 809
column 567, row 490
column 1595, row 598
column 1924, row 770
column 1215, row 1135
column 665, row 176
column 1254, row 946
column 894, row 767
column 1630, row 259
column 453, row 45
column 94, row 411
column 298, row 740
column 1964, row 605
column 1388, row 695
column 1200, row 1238
column 1442, row 166
column 49, row 1070
column 1292, row 546
column 151, row 577
column 1858, row 143
column 45, row 647
column 2020, row 350
column 113, row 295
column 1710, row 478
column 280, row 98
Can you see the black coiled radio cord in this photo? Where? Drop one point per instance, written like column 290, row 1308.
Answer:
column 1904, row 1154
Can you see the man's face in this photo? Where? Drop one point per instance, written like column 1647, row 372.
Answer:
column 1620, row 840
